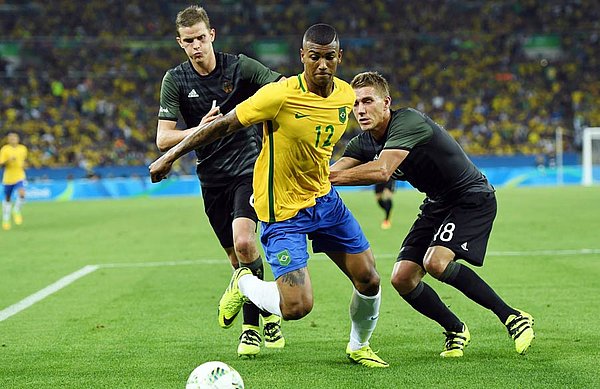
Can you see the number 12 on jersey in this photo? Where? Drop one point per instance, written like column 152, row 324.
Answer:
column 328, row 133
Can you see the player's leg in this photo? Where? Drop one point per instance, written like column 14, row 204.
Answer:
column 290, row 296
column 383, row 195
column 246, row 250
column 464, row 234
column 19, row 200
column 219, row 208
column 364, row 304
column 6, row 206
column 407, row 280
column 340, row 237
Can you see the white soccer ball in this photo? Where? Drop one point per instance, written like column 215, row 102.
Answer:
column 214, row 375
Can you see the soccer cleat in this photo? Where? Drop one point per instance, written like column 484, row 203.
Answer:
column 365, row 356
column 6, row 226
column 386, row 225
column 18, row 218
column 249, row 342
column 520, row 329
column 232, row 300
column 456, row 342
column 272, row 332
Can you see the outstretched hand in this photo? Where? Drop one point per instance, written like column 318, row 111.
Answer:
column 159, row 169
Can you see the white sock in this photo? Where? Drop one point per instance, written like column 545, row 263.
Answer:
column 18, row 203
column 364, row 312
column 6, row 210
column 264, row 294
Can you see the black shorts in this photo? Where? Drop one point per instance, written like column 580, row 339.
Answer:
column 223, row 204
column 391, row 185
column 463, row 226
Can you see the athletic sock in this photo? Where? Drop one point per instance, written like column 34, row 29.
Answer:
column 428, row 303
column 364, row 312
column 387, row 207
column 6, row 206
column 250, row 310
column 18, row 203
column 474, row 287
column 264, row 294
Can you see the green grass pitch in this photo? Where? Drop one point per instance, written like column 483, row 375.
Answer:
column 147, row 315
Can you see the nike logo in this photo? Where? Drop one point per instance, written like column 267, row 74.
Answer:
column 228, row 321
column 300, row 116
column 464, row 246
column 374, row 317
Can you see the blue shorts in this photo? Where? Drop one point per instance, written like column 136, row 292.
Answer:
column 329, row 224
column 9, row 189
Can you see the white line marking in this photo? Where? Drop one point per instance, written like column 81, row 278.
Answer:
column 63, row 282
column 47, row 291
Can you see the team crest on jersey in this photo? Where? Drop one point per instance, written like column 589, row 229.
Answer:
column 284, row 258
column 227, row 86
column 342, row 114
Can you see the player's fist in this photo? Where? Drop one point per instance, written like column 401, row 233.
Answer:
column 159, row 169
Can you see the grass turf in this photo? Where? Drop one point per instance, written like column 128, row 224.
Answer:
column 143, row 324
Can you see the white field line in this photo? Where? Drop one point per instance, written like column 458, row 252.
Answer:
column 47, row 291
column 68, row 279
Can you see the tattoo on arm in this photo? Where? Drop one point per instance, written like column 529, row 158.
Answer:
column 208, row 133
column 295, row 278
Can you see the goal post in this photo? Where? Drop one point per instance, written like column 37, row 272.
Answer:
column 590, row 155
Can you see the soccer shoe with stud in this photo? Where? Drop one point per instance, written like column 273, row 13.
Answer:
column 520, row 329
column 386, row 225
column 232, row 300
column 365, row 356
column 5, row 226
column 456, row 342
column 249, row 342
column 272, row 332
column 18, row 218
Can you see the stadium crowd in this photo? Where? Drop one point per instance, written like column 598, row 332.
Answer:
column 80, row 81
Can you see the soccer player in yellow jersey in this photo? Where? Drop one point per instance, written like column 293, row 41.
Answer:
column 304, row 116
column 12, row 158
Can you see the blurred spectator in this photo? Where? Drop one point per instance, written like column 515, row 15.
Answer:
column 83, row 76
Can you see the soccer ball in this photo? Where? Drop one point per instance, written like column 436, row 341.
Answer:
column 214, row 375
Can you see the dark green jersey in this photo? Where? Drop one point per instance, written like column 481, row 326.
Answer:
column 435, row 165
column 190, row 95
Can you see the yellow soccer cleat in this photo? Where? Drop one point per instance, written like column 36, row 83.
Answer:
column 249, row 342
column 232, row 300
column 456, row 343
column 365, row 356
column 18, row 218
column 272, row 332
column 386, row 225
column 520, row 329
column 6, row 226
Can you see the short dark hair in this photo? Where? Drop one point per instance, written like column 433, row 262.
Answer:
column 321, row 34
column 373, row 79
column 190, row 16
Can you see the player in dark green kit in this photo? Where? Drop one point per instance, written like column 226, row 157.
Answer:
column 199, row 90
column 456, row 216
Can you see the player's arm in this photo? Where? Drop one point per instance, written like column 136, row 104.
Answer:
column 167, row 135
column 344, row 163
column 372, row 172
column 199, row 136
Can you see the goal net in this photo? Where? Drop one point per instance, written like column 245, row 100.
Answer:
column 591, row 156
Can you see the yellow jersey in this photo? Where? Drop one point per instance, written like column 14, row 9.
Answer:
column 13, row 159
column 299, row 131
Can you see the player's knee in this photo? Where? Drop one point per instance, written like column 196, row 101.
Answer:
column 368, row 283
column 296, row 311
column 404, row 283
column 435, row 265
column 245, row 247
